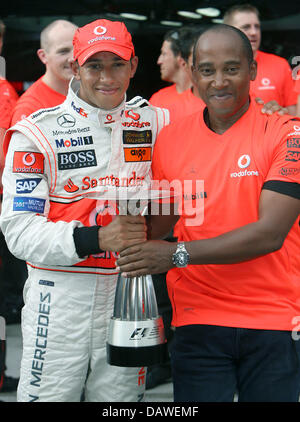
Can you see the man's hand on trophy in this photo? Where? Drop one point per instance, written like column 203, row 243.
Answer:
column 122, row 232
column 152, row 257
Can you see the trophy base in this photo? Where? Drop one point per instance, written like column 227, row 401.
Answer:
column 136, row 356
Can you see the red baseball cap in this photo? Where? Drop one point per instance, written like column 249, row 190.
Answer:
column 102, row 35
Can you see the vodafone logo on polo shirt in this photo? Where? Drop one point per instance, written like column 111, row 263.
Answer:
column 243, row 163
column 28, row 162
column 266, row 84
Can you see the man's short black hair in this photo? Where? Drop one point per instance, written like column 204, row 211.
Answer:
column 173, row 37
column 188, row 36
column 221, row 27
column 182, row 40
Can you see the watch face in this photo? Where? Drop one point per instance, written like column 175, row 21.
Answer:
column 181, row 258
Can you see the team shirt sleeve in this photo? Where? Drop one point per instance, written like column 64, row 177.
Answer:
column 284, row 172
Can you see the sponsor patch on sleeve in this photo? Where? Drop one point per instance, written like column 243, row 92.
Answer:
column 137, row 154
column 27, row 185
column 133, row 137
column 24, row 203
column 293, row 149
column 28, row 162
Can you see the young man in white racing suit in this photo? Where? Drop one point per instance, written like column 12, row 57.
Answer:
column 94, row 140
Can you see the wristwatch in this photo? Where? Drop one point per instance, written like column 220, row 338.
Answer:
column 181, row 257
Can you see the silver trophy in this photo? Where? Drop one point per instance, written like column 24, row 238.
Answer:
column 136, row 332
column 136, row 335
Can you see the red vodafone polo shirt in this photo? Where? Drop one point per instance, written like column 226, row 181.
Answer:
column 262, row 293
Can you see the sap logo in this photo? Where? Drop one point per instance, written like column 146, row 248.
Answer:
column 85, row 140
column 78, row 159
column 27, row 185
column 292, row 156
column 79, row 110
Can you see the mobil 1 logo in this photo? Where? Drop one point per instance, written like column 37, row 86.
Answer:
column 76, row 159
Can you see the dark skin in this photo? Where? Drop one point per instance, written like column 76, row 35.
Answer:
column 222, row 75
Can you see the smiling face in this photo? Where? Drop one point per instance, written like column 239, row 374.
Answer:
column 104, row 79
column 222, row 73
column 58, row 52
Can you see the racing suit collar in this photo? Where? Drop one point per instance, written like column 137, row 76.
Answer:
column 85, row 110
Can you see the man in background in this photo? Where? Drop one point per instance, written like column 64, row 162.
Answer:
column 274, row 75
column 56, row 54
column 173, row 68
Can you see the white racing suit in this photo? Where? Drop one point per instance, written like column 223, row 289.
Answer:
column 54, row 157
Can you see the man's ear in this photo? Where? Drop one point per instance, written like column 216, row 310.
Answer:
column 181, row 61
column 134, row 61
column 194, row 73
column 75, row 69
column 42, row 55
column 253, row 70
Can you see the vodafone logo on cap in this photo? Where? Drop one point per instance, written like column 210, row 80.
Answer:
column 100, row 30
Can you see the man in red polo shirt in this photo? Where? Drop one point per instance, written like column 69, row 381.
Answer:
column 231, row 278
column 274, row 75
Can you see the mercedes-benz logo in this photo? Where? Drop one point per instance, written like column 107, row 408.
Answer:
column 66, row 120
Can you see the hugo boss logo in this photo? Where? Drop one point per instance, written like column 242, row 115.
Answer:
column 76, row 159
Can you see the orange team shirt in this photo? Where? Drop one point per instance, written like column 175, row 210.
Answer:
column 165, row 97
column 262, row 293
column 8, row 100
column 186, row 104
column 38, row 95
column 274, row 80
